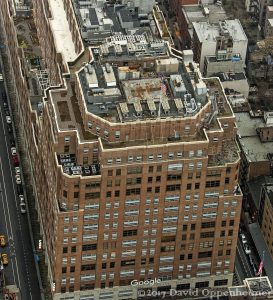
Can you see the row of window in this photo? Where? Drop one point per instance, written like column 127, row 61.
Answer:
column 158, row 157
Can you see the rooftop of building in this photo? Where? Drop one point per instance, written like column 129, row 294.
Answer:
column 228, row 76
column 145, row 95
column 249, row 139
column 255, row 187
column 109, row 19
column 61, row 31
column 269, row 191
column 197, row 13
column 210, row 32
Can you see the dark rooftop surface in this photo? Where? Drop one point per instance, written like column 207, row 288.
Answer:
column 93, row 16
column 255, row 187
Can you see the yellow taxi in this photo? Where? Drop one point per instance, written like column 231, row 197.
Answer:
column 5, row 260
column 2, row 241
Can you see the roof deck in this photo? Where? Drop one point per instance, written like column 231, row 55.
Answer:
column 149, row 96
column 70, row 166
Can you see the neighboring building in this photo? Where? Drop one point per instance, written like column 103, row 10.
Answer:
column 266, row 215
column 260, row 63
column 268, row 30
column 253, row 7
column 98, row 20
column 175, row 5
column 256, row 288
column 130, row 182
column 256, row 154
column 253, row 194
column 235, row 82
column 214, row 64
column 226, row 41
column 238, row 102
column 262, row 12
column 142, row 6
column 188, row 14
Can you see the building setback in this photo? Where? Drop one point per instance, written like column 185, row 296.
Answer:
column 130, row 182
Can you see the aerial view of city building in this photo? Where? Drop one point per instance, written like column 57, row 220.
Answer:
column 136, row 149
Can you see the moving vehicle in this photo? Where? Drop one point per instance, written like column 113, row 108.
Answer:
column 1, row 77
column 2, row 240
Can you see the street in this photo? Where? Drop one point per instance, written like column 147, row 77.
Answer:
column 244, row 265
column 13, row 224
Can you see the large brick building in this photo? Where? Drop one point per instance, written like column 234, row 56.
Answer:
column 134, row 179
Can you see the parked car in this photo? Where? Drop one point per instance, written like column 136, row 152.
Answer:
column 22, row 204
column 247, row 248
column 17, row 171
column 2, row 240
column 8, row 119
column 12, row 142
column 4, row 258
column 15, row 160
column 13, row 151
column 243, row 238
column 9, row 128
column 18, row 179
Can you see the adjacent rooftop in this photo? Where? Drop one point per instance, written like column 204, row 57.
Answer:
column 249, row 139
column 209, row 32
column 61, row 31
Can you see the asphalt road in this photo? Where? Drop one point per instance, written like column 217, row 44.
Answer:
column 21, row 268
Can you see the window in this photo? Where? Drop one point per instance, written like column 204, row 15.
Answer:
column 207, row 234
column 157, row 189
column 65, row 249
column 173, row 187
column 73, row 249
column 202, row 284
column 204, row 254
column 118, row 172
column 89, row 247
column 135, row 191
column 151, row 169
column 150, row 179
column 130, row 232
column 193, row 226
column 220, row 282
column 189, row 186
column 183, row 286
column 92, row 195
column 174, row 177
column 88, row 267
column 213, row 183
column 175, row 167
column 134, row 170
column 224, row 223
